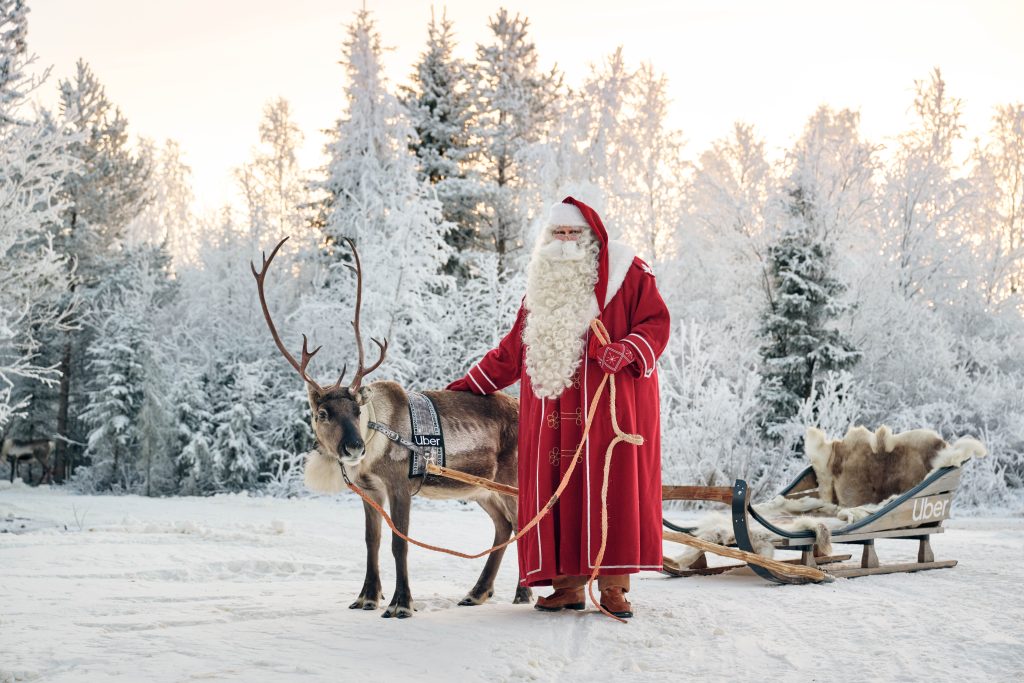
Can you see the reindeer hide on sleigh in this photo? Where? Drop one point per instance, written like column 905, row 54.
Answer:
column 858, row 488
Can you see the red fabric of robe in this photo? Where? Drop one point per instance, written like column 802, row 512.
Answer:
column 568, row 539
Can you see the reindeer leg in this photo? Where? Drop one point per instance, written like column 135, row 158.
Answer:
column 484, row 587
column 524, row 594
column 371, row 595
column 401, row 601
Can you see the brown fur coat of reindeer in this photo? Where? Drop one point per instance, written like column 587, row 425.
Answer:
column 481, row 438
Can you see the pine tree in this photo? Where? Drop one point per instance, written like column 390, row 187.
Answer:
column 514, row 105
column 376, row 198
column 126, row 413
column 440, row 107
column 801, row 347
column 108, row 190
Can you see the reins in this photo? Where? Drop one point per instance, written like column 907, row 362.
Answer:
column 602, row 336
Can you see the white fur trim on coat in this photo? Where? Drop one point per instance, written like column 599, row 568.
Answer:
column 620, row 258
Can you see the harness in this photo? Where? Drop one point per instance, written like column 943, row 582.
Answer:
column 427, row 444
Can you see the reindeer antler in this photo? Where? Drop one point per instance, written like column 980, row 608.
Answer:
column 363, row 371
column 306, row 353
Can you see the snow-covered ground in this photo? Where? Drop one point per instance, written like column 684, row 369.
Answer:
column 257, row 589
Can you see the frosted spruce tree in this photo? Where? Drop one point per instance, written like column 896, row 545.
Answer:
column 376, row 197
column 439, row 103
column 107, row 190
column 126, row 411
column 802, row 346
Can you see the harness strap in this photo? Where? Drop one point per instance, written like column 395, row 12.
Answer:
column 394, row 436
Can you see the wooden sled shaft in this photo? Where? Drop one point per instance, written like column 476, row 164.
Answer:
column 472, row 479
column 792, row 573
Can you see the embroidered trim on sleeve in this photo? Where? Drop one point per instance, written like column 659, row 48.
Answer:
column 649, row 367
column 481, row 371
column 638, row 353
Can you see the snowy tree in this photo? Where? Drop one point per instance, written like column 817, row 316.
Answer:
column 106, row 191
column 440, row 107
column 801, row 346
column 376, row 198
column 827, row 196
column 611, row 142
column 36, row 276
column 169, row 218
column 126, row 410
column 514, row 104
column 727, row 228
column 998, row 236
column 651, row 206
column 273, row 184
column 925, row 206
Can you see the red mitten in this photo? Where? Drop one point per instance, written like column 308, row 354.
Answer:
column 614, row 357
column 460, row 384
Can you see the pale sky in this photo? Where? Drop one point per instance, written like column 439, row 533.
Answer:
column 199, row 71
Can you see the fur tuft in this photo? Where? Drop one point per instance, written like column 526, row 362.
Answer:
column 323, row 474
column 960, row 452
column 818, row 449
column 884, row 440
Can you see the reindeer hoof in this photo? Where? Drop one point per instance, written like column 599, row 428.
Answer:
column 364, row 603
column 523, row 595
column 397, row 611
column 471, row 600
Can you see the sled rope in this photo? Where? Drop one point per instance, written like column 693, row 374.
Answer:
column 637, row 440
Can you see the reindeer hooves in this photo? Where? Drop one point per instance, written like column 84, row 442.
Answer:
column 523, row 595
column 470, row 600
column 366, row 603
column 397, row 611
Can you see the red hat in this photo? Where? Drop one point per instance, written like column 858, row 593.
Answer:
column 594, row 221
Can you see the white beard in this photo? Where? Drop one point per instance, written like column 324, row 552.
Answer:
column 559, row 304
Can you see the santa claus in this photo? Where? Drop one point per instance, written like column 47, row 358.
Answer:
column 577, row 274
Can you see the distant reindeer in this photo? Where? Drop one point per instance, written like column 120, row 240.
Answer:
column 481, row 438
column 16, row 451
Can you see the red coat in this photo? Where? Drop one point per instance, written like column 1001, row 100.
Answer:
column 568, row 538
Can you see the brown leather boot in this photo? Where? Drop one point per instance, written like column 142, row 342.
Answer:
column 613, row 588
column 568, row 594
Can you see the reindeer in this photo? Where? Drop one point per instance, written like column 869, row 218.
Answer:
column 38, row 450
column 481, row 438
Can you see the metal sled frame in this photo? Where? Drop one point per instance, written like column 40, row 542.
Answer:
column 915, row 515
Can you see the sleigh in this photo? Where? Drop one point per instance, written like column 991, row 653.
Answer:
column 915, row 515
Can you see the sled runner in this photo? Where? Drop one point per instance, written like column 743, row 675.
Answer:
column 914, row 515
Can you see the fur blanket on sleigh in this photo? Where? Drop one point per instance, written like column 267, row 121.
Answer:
column 857, row 475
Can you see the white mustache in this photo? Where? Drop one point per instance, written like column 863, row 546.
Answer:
column 563, row 250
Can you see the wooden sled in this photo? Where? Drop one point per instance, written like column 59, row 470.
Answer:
column 915, row 515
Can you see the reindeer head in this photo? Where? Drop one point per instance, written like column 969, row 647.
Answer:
column 337, row 420
column 337, row 412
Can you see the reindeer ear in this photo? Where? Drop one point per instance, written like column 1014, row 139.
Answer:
column 364, row 395
column 314, row 396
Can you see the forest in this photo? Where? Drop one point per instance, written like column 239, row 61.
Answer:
column 842, row 281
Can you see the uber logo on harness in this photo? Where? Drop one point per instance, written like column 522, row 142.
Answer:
column 430, row 441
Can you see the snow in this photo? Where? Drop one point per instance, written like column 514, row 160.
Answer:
column 233, row 587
